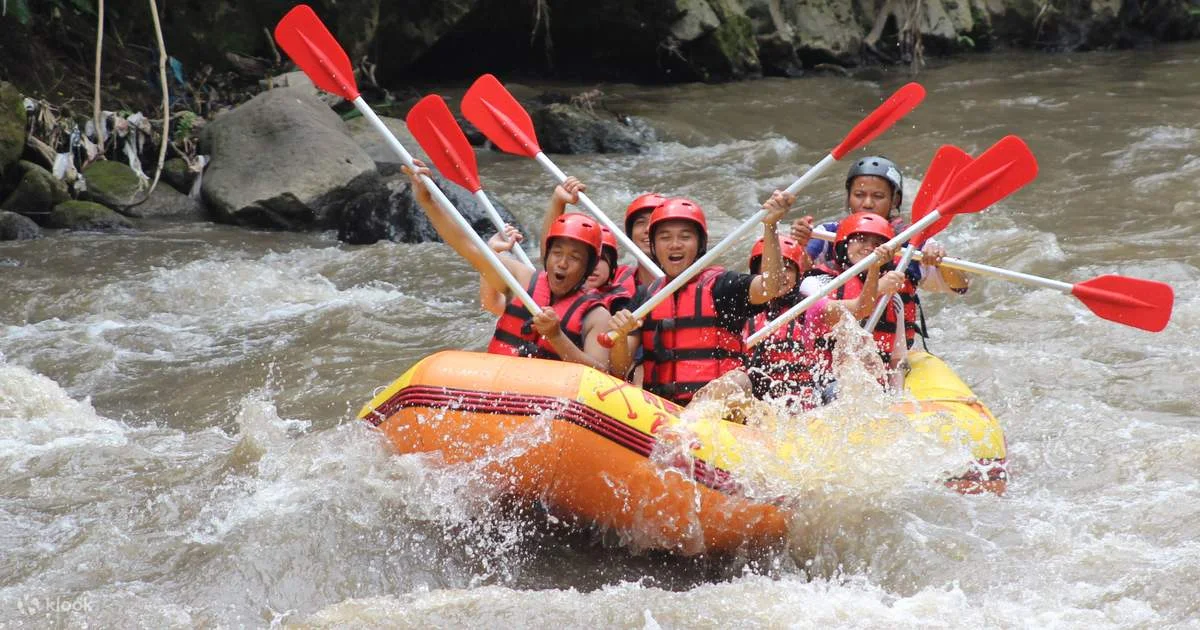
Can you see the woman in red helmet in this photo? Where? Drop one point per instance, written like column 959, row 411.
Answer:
column 695, row 336
column 858, row 236
column 602, row 278
column 570, row 319
column 780, row 365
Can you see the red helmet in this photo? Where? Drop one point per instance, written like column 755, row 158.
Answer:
column 607, row 239
column 578, row 227
column 788, row 246
column 860, row 223
column 643, row 203
column 608, row 251
column 680, row 208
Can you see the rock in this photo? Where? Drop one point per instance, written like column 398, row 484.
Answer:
column 12, row 126
column 396, row 216
column 177, row 173
column 166, row 202
column 113, row 184
column 565, row 128
column 36, row 192
column 284, row 160
column 712, row 40
column 14, row 227
column 87, row 215
column 385, row 159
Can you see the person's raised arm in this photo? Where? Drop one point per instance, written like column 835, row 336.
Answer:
column 940, row 279
column 454, row 235
column 768, row 284
column 564, row 194
column 493, row 299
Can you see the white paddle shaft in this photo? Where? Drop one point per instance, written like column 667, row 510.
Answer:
column 643, row 260
column 499, row 223
column 981, row 269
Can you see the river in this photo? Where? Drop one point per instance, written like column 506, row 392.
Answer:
column 179, row 448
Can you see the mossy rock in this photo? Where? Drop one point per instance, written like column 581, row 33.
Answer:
column 178, row 175
column 36, row 192
column 86, row 215
column 113, row 184
column 14, row 227
column 12, row 125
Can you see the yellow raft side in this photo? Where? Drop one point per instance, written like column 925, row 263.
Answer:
column 938, row 401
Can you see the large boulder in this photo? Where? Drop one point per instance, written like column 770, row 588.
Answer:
column 12, row 125
column 115, row 185
column 396, row 216
column 87, row 215
column 36, row 191
column 563, row 128
column 14, row 227
column 284, row 160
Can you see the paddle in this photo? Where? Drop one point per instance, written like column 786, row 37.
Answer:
column 491, row 108
column 1002, row 169
column 1144, row 304
column 431, row 122
column 894, row 108
column 946, row 162
column 310, row 44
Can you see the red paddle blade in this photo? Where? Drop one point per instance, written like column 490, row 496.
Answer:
column 306, row 40
column 998, row 172
column 432, row 123
column 896, row 107
column 948, row 160
column 500, row 117
column 1144, row 304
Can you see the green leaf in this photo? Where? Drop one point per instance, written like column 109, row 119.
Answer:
column 19, row 9
column 84, row 6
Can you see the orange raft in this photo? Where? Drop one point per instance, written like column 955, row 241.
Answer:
column 588, row 445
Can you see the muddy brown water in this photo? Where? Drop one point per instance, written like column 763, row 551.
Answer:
column 179, row 449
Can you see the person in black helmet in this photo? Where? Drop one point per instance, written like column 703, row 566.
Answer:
column 875, row 184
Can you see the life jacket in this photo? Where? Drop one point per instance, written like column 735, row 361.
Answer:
column 616, row 294
column 684, row 345
column 626, row 278
column 515, row 335
column 789, row 363
column 885, row 330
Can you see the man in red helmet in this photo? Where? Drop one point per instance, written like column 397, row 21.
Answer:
column 570, row 319
column 695, row 336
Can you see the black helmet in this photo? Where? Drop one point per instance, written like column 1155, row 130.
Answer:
column 879, row 166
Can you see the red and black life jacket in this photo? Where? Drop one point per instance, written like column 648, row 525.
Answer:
column 684, row 346
column 788, row 363
column 515, row 335
column 885, row 330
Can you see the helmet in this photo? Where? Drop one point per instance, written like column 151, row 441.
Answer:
column 788, row 246
column 860, row 223
column 608, row 251
column 680, row 208
column 878, row 166
column 643, row 203
column 577, row 227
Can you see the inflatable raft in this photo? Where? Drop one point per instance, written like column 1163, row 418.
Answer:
column 583, row 443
